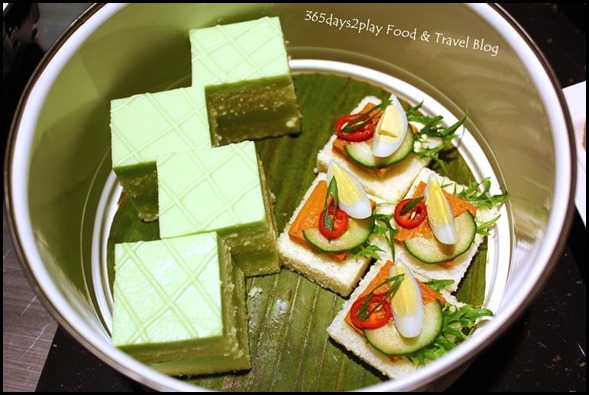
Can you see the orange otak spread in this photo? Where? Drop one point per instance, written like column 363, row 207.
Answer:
column 308, row 217
column 428, row 295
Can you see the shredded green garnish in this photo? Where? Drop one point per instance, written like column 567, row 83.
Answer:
column 367, row 250
column 458, row 323
column 433, row 131
column 382, row 226
column 387, row 230
column 483, row 229
column 331, row 192
column 478, row 194
column 412, row 203
column 438, row 285
column 363, row 312
column 359, row 122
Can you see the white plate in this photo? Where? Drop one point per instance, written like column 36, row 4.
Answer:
column 576, row 97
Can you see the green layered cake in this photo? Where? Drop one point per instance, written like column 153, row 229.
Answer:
column 146, row 126
column 179, row 305
column 244, row 70
column 221, row 189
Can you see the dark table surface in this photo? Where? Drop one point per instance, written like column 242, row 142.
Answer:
column 543, row 351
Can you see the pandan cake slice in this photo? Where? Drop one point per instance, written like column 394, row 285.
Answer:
column 146, row 126
column 179, row 305
column 244, row 70
column 221, row 189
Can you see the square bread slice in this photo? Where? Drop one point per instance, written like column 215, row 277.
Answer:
column 354, row 341
column 344, row 334
column 338, row 276
column 389, row 184
column 460, row 265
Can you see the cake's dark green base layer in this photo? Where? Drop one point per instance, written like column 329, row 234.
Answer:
column 258, row 256
column 140, row 183
column 256, row 252
column 252, row 110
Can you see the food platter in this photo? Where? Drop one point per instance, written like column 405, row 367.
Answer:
column 287, row 308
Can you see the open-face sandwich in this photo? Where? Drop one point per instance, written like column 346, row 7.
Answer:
column 396, row 323
column 327, row 231
column 439, row 225
column 385, row 145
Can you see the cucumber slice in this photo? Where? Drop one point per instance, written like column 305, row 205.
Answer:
column 389, row 341
column 358, row 232
column 430, row 250
column 361, row 153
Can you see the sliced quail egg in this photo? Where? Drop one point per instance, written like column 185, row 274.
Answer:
column 439, row 212
column 390, row 130
column 406, row 303
column 352, row 196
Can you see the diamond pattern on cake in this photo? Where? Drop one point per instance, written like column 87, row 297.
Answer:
column 167, row 290
column 151, row 124
column 219, row 188
column 238, row 52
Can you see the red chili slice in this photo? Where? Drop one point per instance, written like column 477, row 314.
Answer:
column 412, row 217
column 378, row 309
column 340, row 223
column 362, row 132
